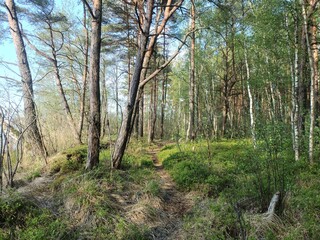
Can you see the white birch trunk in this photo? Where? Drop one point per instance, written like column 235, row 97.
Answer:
column 252, row 119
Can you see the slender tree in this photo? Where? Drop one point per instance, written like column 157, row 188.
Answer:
column 192, row 82
column 311, row 41
column 31, row 121
column 94, row 119
column 145, row 48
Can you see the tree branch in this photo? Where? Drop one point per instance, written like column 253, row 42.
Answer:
column 89, row 8
column 152, row 75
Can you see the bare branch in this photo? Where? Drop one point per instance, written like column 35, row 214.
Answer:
column 152, row 75
column 89, row 8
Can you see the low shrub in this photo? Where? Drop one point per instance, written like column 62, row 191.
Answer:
column 22, row 219
column 189, row 174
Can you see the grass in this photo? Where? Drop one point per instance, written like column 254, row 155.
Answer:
column 233, row 183
column 22, row 219
column 237, row 183
column 89, row 204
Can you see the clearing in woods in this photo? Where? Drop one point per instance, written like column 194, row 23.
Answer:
column 168, row 207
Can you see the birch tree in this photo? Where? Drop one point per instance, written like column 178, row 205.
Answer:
column 311, row 41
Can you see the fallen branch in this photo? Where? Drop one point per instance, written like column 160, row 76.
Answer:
column 270, row 214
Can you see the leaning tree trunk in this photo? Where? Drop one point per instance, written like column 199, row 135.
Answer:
column 94, row 118
column 125, row 129
column 54, row 61
column 33, row 133
column 145, row 49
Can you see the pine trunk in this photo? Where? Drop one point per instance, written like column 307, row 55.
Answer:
column 33, row 135
column 94, row 120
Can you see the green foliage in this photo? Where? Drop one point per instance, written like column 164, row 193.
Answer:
column 153, row 188
column 14, row 211
column 34, row 174
column 69, row 160
column 233, row 173
column 45, row 226
column 189, row 174
column 91, row 197
column 211, row 219
column 22, row 219
column 305, row 202
column 195, row 168
column 125, row 230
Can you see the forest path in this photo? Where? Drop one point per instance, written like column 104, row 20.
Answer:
column 39, row 192
column 176, row 204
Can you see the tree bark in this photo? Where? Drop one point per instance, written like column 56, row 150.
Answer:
column 104, row 102
column 94, row 120
column 141, row 114
column 295, row 111
column 33, row 133
column 153, row 111
column 146, row 45
column 313, row 61
column 164, row 90
column 252, row 118
column 125, row 129
column 191, row 125
column 54, row 61
column 84, row 73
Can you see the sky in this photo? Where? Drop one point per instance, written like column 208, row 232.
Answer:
column 8, row 57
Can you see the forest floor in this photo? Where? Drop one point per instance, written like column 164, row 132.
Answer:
column 176, row 204
column 170, row 205
column 162, row 192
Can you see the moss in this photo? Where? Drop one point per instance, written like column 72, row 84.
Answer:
column 20, row 218
column 69, row 160
column 15, row 210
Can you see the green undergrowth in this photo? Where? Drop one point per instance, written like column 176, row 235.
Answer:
column 210, row 169
column 237, row 183
column 88, row 204
column 21, row 218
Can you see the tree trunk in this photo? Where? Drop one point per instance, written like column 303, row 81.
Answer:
column 295, row 92
column 125, row 129
column 153, row 111
column 145, row 49
column 104, row 102
column 141, row 114
column 94, row 120
column 54, row 61
column 163, row 89
column 191, row 125
column 313, row 61
column 62, row 94
column 33, row 133
column 252, row 118
column 163, row 105
column 84, row 74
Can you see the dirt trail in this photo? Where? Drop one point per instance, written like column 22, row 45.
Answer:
column 175, row 203
column 39, row 192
